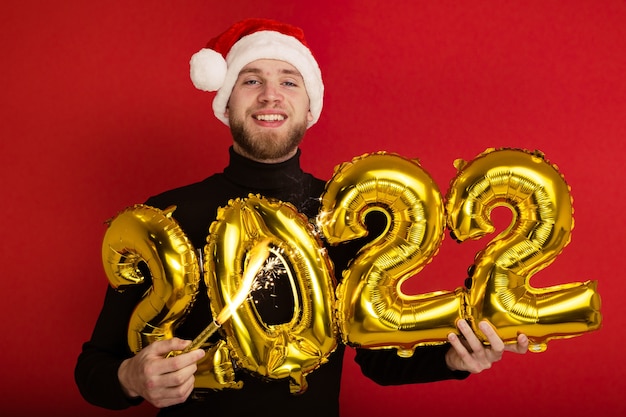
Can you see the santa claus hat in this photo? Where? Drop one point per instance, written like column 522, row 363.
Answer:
column 216, row 67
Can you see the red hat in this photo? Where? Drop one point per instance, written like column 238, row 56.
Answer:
column 216, row 67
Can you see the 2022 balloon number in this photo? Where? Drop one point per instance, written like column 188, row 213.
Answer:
column 371, row 311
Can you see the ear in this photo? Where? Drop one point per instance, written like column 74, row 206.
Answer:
column 309, row 116
column 226, row 115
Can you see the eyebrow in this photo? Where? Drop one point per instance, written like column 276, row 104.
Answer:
column 285, row 71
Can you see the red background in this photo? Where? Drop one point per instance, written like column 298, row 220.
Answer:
column 98, row 113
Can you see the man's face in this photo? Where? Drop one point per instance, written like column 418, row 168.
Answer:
column 268, row 111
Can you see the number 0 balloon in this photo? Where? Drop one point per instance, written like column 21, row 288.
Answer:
column 297, row 347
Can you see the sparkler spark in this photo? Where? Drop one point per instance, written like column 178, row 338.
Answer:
column 268, row 276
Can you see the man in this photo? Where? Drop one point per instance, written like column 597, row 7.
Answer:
column 269, row 91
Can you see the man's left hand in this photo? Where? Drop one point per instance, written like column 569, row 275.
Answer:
column 471, row 355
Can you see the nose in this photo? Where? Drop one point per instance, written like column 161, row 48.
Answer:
column 270, row 93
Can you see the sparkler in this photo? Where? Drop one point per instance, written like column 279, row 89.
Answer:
column 258, row 255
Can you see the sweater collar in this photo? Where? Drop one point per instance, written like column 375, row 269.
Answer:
column 261, row 176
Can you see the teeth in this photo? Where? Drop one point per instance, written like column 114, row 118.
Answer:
column 270, row 117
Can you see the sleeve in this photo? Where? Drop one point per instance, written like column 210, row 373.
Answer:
column 427, row 364
column 96, row 369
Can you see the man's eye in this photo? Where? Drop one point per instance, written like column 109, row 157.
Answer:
column 251, row 82
column 289, row 84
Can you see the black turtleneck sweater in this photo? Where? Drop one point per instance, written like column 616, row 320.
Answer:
column 196, row 208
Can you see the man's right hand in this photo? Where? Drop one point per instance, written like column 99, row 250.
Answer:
column 159, row 380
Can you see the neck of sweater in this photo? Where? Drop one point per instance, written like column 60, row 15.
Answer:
column 284, row 181
column 261, row 176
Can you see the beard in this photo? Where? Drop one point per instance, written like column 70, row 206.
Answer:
column 267, row 145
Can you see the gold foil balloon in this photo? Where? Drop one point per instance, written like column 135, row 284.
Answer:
column 541, row 206
column 143, row 234
column 215, row 370
column 372, row 310
column 274, row 350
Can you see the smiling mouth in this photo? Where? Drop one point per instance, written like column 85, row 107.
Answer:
column 270, row 117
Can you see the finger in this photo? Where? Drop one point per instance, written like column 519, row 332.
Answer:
column 492, row 337
column 168, row 396
column 180, row 377
column 460, row 358
column 166, row 348
column 183, row 362
column 457, row 344
column 520, row 347
column 177, row 394
column 191, row 357
column 158, row 353
column 163, row 347
column 475, row 345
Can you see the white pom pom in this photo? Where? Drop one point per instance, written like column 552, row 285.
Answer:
column 207, row 70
